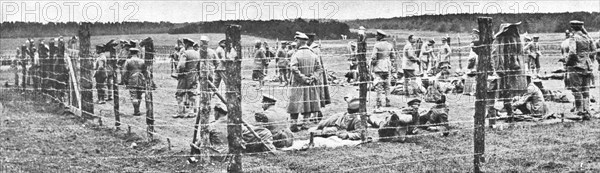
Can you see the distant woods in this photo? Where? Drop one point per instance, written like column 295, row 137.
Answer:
column 325, row 29
column 282, row 29
column 531, row 22
column 31, row 29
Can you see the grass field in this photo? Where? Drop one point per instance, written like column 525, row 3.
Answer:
column 562, row 147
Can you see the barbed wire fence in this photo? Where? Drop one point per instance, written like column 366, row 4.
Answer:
column 66, row 85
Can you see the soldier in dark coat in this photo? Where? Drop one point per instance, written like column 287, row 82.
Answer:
column 507, row 64
column 136, row 79
column 304, row 95
column 579, row 68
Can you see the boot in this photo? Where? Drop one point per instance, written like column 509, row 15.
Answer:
column 387, row 102
column 136, row 108
column 294, row 126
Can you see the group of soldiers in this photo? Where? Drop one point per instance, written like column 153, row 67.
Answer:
column 43, row 65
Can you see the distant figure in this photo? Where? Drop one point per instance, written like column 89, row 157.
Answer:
column 352, row 75
column 219, row 64
column 410, row 63
column 136, row 79
column 445, row 51
column 344, row 37
column 260, row 64
column 283, row 63
column 101, row 74
column 532, row 49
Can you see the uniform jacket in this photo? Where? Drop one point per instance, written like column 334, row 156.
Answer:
column 410, row 59
column 136, row 73
column 383, row 52
column 581, row 46
column 534, row 96
column 220, row 54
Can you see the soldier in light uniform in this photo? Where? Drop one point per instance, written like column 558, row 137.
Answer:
column 427, row 57
column 579, row 68
column 534, row 53
column 304, row 96
column 260, row 64
column 187, row 79
column 219, row 66
column 445, row 51
column 283, row 62
column 383, row 51
column 274, row 119
column 409, row 62
column 532, row 103
column 346, row 125
column 101, row 74
column 136, row 79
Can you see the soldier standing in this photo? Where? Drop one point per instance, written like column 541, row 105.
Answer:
column 219, row 66
column 260, row 64
column 534, row 54
column 383, row 51
column 579, row 67
column 283, row 63
column 446, row 51
column 136, row 79
column 101, row 73
column 410, row 62
column 322, row 79
column 507, row 64
column 187, row 79
column 304, row 96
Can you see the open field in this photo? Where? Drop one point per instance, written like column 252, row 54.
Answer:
column 571, row 146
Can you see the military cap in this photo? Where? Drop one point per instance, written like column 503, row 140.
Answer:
column 380, row 32
column 294, row 43
column 505, row 26
column 222, row 41
column 204, row 38
column 100, row 48
column 444, row 38
column 353, row 44
column 576, row 23
column 354, row 103
column 301, row 36
column 187, row 41
column 444, row 64
column 133, row 50
column 221, row 107
column 361, row 28
column 268, row 98
column 112, row 43
column 413, row 101
column 311, row 35
column 475, row 30
column 536, row 37
column 196, row 44
column 527, row 38
column 432, row 41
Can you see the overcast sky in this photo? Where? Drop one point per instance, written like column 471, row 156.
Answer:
column 194, row 11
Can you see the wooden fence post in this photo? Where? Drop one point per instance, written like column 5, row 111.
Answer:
column 233, row 81
column 149, row 61
column 484, row 54
column 363, row 75
column 459, row 55
column 115, row 88
column 24, row 66
column 87, row 100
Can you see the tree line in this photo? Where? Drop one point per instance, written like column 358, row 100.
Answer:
column 34, row 29
column 531, row 22
column 282, row 29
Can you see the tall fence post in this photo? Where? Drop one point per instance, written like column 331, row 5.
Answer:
column 149, row 62
column 233, row 81
column 363, row 76
column 24, row 66
column 87, row 100
column 204, row 106
column 459, row 55
column 484, row 53
column 115, row 87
